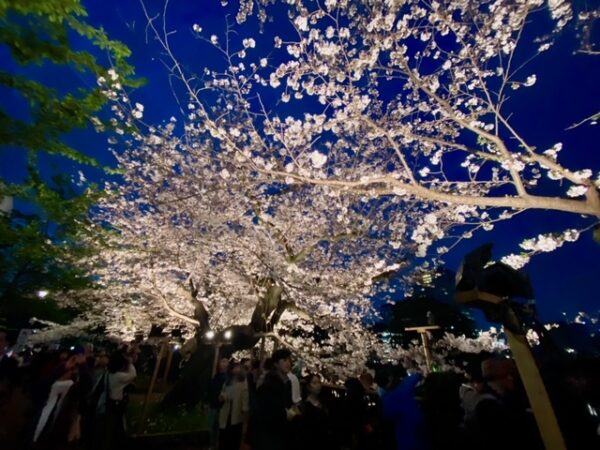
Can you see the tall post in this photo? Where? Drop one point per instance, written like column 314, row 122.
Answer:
column 261, row 355
column 153, row 381
column 216, row 359
column 168, row 366
column 424, row 332
column 536, row 391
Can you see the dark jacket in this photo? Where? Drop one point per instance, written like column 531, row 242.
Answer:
column 502, row 423
column 269, row 417
column 214, row 390
column 314, row 430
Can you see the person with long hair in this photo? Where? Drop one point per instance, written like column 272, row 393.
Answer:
column 314, row 428
column 121, row 372
column 58, row 423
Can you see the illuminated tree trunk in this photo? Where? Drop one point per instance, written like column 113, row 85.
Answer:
column 193, row 382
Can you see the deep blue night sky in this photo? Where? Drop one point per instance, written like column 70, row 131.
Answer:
column 567, row 90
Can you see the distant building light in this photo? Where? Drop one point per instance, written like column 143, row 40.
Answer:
column 42, row 293
column 570, row 350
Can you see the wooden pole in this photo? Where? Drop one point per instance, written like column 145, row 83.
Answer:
column 425, row 341
column 261, row 355
column 216, row 359
column 424, row 332
column 536, row 392
column 152, row 382
column 168, row 367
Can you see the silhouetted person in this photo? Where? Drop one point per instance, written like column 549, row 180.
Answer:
column 401, row 408
column 274, row 407
column 215, row 401
column 314, row 430
column 234, row 411
column 502, row 418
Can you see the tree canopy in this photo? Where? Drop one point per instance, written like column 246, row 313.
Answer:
column 45, row 232
column 409, row 99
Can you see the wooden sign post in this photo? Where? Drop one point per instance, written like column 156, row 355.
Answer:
column 424, row 332
column 163, row 348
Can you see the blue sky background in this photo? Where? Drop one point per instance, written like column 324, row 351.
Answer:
column 567, row 90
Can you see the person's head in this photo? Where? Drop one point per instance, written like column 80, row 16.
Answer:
column 282, row 361
column 500, row 374
column 354, row 388
column 366, row 379
column 117, row 362
column 69, row 373
column 384, row 379
column 313, row 384
column 223, row 365
column 63, row 356
column 255, row 369
column 78, row 355
column 102, row 359
column 235, row 371
column 474, row 377
column 267, row 365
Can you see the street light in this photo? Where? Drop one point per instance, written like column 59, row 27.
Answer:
column 227, row 335
column 42, row 293
column 210, row 334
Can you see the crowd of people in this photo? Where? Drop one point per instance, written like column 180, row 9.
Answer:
column 63, row 398
column 76, row 398
column 264, row 406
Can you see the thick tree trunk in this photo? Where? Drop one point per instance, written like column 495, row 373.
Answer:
column 194, row 379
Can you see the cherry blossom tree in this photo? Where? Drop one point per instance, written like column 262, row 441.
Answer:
column 199, row 243
column 410, row 99
column 305, row 172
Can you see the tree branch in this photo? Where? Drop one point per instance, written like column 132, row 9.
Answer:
column 392, row 186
